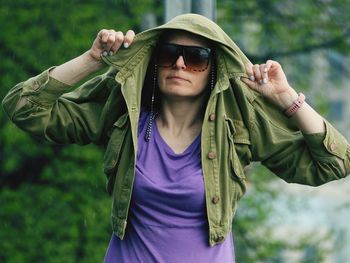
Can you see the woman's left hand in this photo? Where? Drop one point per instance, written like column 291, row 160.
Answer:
column 269, row 80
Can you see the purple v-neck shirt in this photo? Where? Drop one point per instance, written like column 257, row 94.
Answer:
column 167, row 219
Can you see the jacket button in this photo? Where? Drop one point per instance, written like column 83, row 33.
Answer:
column 215, row 199
column 220, row 239
column 211, row 155
column 333, row 146
column 212, row 116
column 35, row 86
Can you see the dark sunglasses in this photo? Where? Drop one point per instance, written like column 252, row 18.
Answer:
column 195, row 58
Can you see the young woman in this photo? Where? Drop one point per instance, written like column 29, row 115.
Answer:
column 181, row 111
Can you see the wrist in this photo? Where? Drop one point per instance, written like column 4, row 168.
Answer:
column 296, row 105
column 92, row 62
column 287, row 99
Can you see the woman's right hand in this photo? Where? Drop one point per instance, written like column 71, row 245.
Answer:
column 108, row 42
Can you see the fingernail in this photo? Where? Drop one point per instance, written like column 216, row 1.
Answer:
column 126, row 44
column 261, row 82
column 252, row 78
column 104, row 53
column 110, row 53
column 264, row 81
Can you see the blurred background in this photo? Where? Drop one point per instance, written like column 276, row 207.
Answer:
column 53, row 202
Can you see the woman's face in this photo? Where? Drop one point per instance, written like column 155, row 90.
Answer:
column 179, row 79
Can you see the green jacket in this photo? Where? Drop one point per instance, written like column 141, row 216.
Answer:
column 239, row 126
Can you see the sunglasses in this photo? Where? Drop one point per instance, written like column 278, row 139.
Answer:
column 195, row 58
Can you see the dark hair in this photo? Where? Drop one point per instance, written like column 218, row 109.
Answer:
column 148, row 83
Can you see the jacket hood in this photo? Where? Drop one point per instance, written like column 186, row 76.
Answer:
column 206, row 28
column 227, row 51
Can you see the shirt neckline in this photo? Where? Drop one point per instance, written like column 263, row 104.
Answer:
column 160, row 139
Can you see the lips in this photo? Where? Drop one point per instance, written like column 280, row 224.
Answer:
column 176, row 78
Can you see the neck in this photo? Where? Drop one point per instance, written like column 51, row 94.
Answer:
column 179, row 116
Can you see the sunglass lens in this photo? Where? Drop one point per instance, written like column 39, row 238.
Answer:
column 167, row 55
column 196, row 58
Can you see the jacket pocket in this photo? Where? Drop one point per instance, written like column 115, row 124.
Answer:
column 113, row 150
column 237, row 140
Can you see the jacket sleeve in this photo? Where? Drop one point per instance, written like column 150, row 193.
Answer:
column 44, row 107
column 311, row 159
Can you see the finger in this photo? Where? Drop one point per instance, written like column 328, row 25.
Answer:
column 269, row 64
column 264, row 75
column 103, row 35
column 274, row 66
column 118, row 41
column 267, row 70
column 110, row 40
column 249, row 70
column 129, row 38
column 257, row 73
column 109, row 44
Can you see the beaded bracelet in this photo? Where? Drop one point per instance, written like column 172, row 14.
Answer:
column 295, row 106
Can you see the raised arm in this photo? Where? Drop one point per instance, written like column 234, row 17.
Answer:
column 270, row 81
column 107, row 43
column 45, row 107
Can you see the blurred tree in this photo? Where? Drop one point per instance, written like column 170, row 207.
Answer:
column 54, row 207
column 287, row 31
column 258, row 220
column 52, row 199
column 275, row 29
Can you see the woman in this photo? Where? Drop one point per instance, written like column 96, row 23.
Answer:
column 181, row 112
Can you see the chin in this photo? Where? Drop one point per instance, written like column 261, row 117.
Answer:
column 178, row 93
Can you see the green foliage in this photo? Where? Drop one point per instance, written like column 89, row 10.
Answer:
column 286, row 28
column 54, row 206
column 255, row 225
column 62, row 216
column 290, row 32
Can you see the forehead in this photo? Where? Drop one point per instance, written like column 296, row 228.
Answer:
column 185, row 38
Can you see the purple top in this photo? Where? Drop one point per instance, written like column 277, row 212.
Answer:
column 167, row 218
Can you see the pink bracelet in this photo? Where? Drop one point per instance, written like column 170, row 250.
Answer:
column 295, row 106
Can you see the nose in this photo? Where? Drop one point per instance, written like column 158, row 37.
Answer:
column 180, row 63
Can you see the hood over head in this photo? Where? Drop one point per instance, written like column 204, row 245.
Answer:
column 135, row 62
column 228, row 53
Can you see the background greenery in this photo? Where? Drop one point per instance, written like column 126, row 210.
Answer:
column 53, row 203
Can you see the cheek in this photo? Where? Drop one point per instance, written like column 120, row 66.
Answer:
column 161, row 80
column 203, row 81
